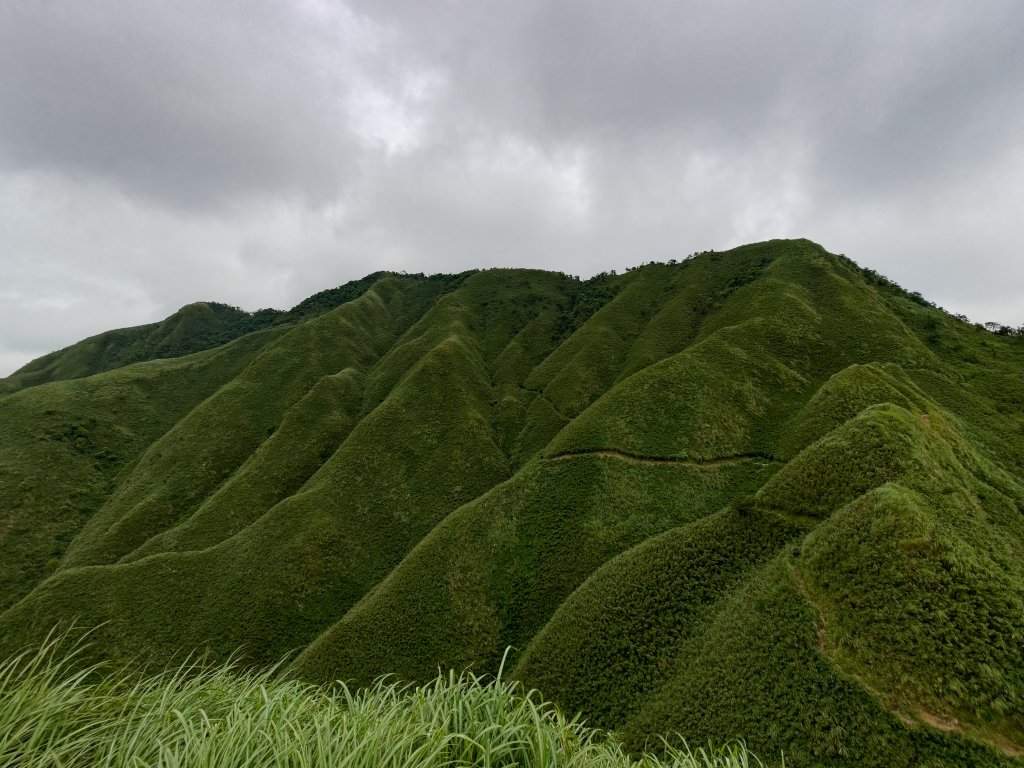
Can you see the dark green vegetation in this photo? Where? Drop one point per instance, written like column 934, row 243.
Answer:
column 759, row 494
column 193, row 328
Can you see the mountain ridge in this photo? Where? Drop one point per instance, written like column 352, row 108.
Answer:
column 613, row 476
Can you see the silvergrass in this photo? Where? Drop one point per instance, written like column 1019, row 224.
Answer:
column 56, row 715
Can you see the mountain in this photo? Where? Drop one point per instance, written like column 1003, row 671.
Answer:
column 193, row 328
column 761, row 493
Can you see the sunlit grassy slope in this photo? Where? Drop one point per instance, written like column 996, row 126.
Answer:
column 759, row 494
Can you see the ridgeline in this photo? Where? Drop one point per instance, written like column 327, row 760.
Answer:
column 760, row 494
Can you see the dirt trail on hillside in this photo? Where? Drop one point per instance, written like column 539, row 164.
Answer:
column 686, row 462
column 910, row 712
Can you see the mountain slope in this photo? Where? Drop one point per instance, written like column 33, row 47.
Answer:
column 64, row 445
column 192, row 328
column 759, row 494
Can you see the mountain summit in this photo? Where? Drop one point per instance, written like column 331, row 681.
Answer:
column 759, row 494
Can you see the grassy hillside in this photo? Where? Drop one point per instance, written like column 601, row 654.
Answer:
column 64, row 445
column 192, row 328
column 759, row 494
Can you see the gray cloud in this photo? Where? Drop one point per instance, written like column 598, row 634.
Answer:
column 159, row 153
column 190, row 104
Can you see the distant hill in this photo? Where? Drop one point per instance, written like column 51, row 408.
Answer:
column 759, row 494
column 193, row 328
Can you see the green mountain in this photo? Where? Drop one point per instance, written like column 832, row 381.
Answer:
column 193, row 328
column 762, row 494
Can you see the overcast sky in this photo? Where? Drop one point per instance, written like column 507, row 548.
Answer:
column 253, row 152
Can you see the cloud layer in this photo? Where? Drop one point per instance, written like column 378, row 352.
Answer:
column 255, row 152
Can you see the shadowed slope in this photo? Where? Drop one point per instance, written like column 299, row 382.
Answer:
column 493, row 573
column 62, row 446
column 756, row 668
column 179, row 471
column 309, row 433
column 612, row 642
column 673, row 633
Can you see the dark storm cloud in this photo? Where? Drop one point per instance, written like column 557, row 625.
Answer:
column 158, row 153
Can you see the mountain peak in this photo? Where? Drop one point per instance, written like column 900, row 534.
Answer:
column 760, row 492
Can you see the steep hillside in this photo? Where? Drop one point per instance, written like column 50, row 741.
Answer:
column 64, row 445
column 759, row 494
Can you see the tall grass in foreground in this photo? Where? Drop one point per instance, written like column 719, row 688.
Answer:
column 52, row 714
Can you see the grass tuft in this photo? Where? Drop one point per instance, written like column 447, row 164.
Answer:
column 53, row 713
